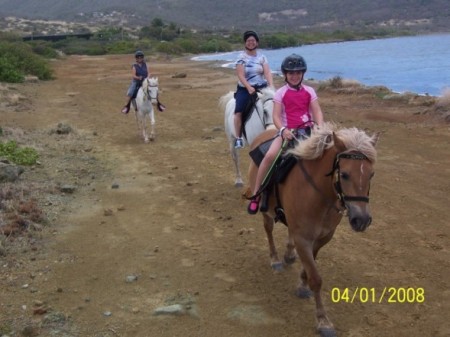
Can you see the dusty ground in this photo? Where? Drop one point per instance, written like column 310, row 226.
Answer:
column 177, row 223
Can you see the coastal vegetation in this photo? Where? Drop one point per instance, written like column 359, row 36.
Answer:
column 168, row 39
column 158, row 37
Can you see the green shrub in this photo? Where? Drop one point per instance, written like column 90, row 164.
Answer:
column 75, row 46
column 8, row 72
column 43, row 48
column 169, row 48
column 213, row 45
column 121, row 47
column 17, row 60
column 21, row 156
column 11, row 37
column 188, row 45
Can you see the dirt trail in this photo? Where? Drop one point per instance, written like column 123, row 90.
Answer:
column 179, row 225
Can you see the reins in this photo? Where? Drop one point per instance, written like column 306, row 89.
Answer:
column 262, row 117
column 310, row 180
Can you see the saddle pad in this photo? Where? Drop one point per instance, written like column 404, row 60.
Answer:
column 284, row 167
column 258, row 153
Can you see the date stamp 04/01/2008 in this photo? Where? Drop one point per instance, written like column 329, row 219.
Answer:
column 373, row 295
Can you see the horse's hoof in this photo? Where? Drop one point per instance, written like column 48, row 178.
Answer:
column 288, row 260
column 146, row 140
column 303, row 292
column 327, row 332
column 277, row 266
column 239, row 184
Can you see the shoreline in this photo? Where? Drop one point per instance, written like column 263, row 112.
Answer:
column 363, row 62
column 229, row 66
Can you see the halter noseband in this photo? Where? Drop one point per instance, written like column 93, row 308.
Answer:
column 148, row 91
column 337, row 173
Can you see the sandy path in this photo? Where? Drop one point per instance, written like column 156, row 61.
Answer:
column 180, row 226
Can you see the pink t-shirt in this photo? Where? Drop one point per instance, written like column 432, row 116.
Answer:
column 295, row 105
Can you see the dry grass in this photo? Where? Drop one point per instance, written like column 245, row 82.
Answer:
column 340, row 85
column 444, row 100
column 437, row 105
column 19, row 210
column 441, row 108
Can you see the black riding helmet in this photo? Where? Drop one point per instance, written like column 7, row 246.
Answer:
column 293, row 62
column 138, row 54
column 249, row 33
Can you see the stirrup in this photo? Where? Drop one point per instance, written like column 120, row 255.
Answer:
column 279, row 214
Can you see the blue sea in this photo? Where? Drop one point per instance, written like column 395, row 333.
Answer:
column 418, row 64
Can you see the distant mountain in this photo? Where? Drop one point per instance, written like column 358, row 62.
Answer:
column 264, row 15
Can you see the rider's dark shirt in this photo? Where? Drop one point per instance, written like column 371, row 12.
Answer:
column 141, row 70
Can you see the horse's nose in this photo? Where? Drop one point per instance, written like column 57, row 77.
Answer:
column 359, row 218
column 359, row 223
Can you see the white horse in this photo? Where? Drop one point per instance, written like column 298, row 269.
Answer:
column 143, row 105
column 259, row 120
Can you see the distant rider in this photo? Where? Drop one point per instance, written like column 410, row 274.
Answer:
column 139, row 72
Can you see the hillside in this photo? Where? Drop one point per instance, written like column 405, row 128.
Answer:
column 264, row 15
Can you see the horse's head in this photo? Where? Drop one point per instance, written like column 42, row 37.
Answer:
column 150, row 87
column 352, row 172
column 266, row 100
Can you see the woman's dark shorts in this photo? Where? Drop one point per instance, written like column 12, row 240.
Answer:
column 242, row 97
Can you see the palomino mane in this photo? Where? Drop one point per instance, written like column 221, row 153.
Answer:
column 321, row 139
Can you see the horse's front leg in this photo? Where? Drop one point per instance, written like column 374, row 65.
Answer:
column 138, row 123
column 235, row 156
column 275, row 262
column 144, row 128
column 310, row 276
column 152, row 124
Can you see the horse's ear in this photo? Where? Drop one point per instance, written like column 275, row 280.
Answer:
column 375, row 138
column 339, row 144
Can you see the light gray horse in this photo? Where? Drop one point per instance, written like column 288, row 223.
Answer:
column 259, row 120
column 143, row 104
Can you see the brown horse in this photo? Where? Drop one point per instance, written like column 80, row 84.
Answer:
column 331, row 176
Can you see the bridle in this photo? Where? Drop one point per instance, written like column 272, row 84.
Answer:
column 336, row 170
column 148, row 92
column 262, row 117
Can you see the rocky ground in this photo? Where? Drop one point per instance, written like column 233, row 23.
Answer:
column 127, row 229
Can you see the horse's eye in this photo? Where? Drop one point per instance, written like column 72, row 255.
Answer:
column 345, row 176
